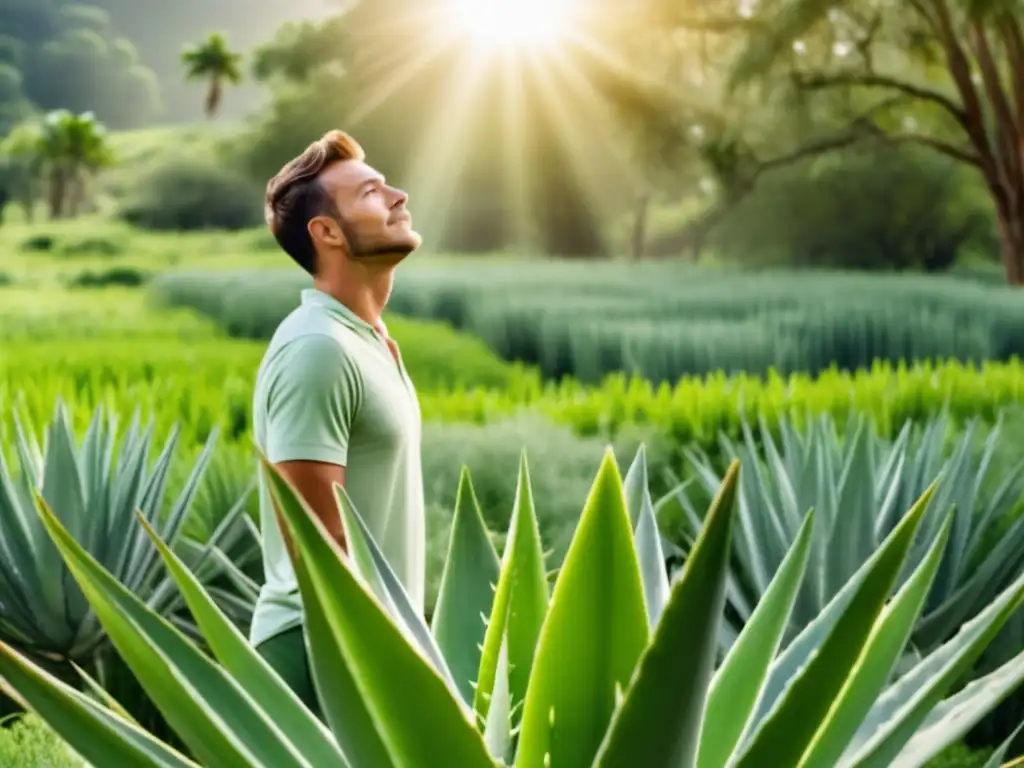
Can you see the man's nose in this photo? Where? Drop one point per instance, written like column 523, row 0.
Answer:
column 401, row 198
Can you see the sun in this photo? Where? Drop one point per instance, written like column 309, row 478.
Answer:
column 495, row 24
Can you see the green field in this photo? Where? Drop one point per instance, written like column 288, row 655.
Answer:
column 507, row 354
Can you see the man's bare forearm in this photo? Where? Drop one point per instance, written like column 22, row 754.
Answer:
column 315, row 483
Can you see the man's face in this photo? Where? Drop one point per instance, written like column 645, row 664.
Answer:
column 375, row 225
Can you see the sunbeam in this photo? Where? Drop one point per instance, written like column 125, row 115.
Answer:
column 516, row 154
column 441, row 155
column 507, row 113
column 515, row 24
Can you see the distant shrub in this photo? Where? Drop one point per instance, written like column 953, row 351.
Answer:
column 40, row 243
column 123, row 276
column 191, row 194
column 6, row 279
column 98, row 246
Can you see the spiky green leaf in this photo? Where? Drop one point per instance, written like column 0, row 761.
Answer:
column 592, row 638
column 646, row 730
column 466, row 594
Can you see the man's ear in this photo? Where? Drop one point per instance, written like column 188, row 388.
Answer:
column 324, row 229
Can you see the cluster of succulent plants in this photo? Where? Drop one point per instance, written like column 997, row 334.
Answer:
column 610, row 665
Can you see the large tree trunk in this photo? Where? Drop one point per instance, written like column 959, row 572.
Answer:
column 1011, row 238
column 58, row 192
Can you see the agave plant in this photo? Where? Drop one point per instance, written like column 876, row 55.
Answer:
column 858, row 484
column 95, row 495
column 608, row 668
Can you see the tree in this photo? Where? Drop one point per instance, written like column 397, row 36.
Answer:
column 70, row 148
column 22, row 162
column 214, row 61
column 944, row 74
column 662, row 78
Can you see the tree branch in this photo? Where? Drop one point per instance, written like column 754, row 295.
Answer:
column 1013, row 39
column 1007, row 133
column 807, row 151
column 918, row 6
column 866, row 44
column 950, row 150
column 960, row 69
column 822, row 82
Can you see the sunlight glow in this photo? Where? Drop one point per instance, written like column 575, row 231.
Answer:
column 511, row 23
column 518, row 97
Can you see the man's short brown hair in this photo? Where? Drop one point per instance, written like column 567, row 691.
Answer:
column 295, row 195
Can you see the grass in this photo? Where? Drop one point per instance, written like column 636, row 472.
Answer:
column 67, row 250
column 30, row 314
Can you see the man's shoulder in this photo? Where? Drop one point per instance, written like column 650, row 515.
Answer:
column 309, row 331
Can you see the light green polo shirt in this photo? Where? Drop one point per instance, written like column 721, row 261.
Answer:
column 329, row 389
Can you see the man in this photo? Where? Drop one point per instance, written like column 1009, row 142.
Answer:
column 333, row 402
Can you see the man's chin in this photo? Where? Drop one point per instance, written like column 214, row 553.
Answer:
column 394, row 252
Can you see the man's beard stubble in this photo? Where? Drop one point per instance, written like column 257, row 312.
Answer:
column 366, row 249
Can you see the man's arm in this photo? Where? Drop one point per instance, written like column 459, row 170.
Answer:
column 314, row 480
column 311, row 406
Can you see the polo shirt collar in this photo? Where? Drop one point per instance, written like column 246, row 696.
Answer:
column 337, row 310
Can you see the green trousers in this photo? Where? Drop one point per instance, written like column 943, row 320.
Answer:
column 287, row 654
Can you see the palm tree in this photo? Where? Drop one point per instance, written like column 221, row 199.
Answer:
column 212, row 60
column 23, row 164
column 71, row 147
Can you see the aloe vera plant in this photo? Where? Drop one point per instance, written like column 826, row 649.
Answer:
column 858, row 483
column 95, row 493
column 615, row 668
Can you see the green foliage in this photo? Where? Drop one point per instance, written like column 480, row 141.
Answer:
column 876, row 209
column 40, row 243
column 123, row 276
column 183, row 193
column 28, row 742
column 898, row 73
column 208, row 381
column 299, row 49
column 213, row 61
column 31, row 313
column 959, row 756
column 61, row 151
column 287, row 124
column 93, row 246
column 94, row 487
column 827, row 467
column 663, row 321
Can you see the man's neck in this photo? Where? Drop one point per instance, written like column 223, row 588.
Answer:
column 364, row 289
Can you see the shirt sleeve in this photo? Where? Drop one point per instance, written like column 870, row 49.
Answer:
column 312, row 402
